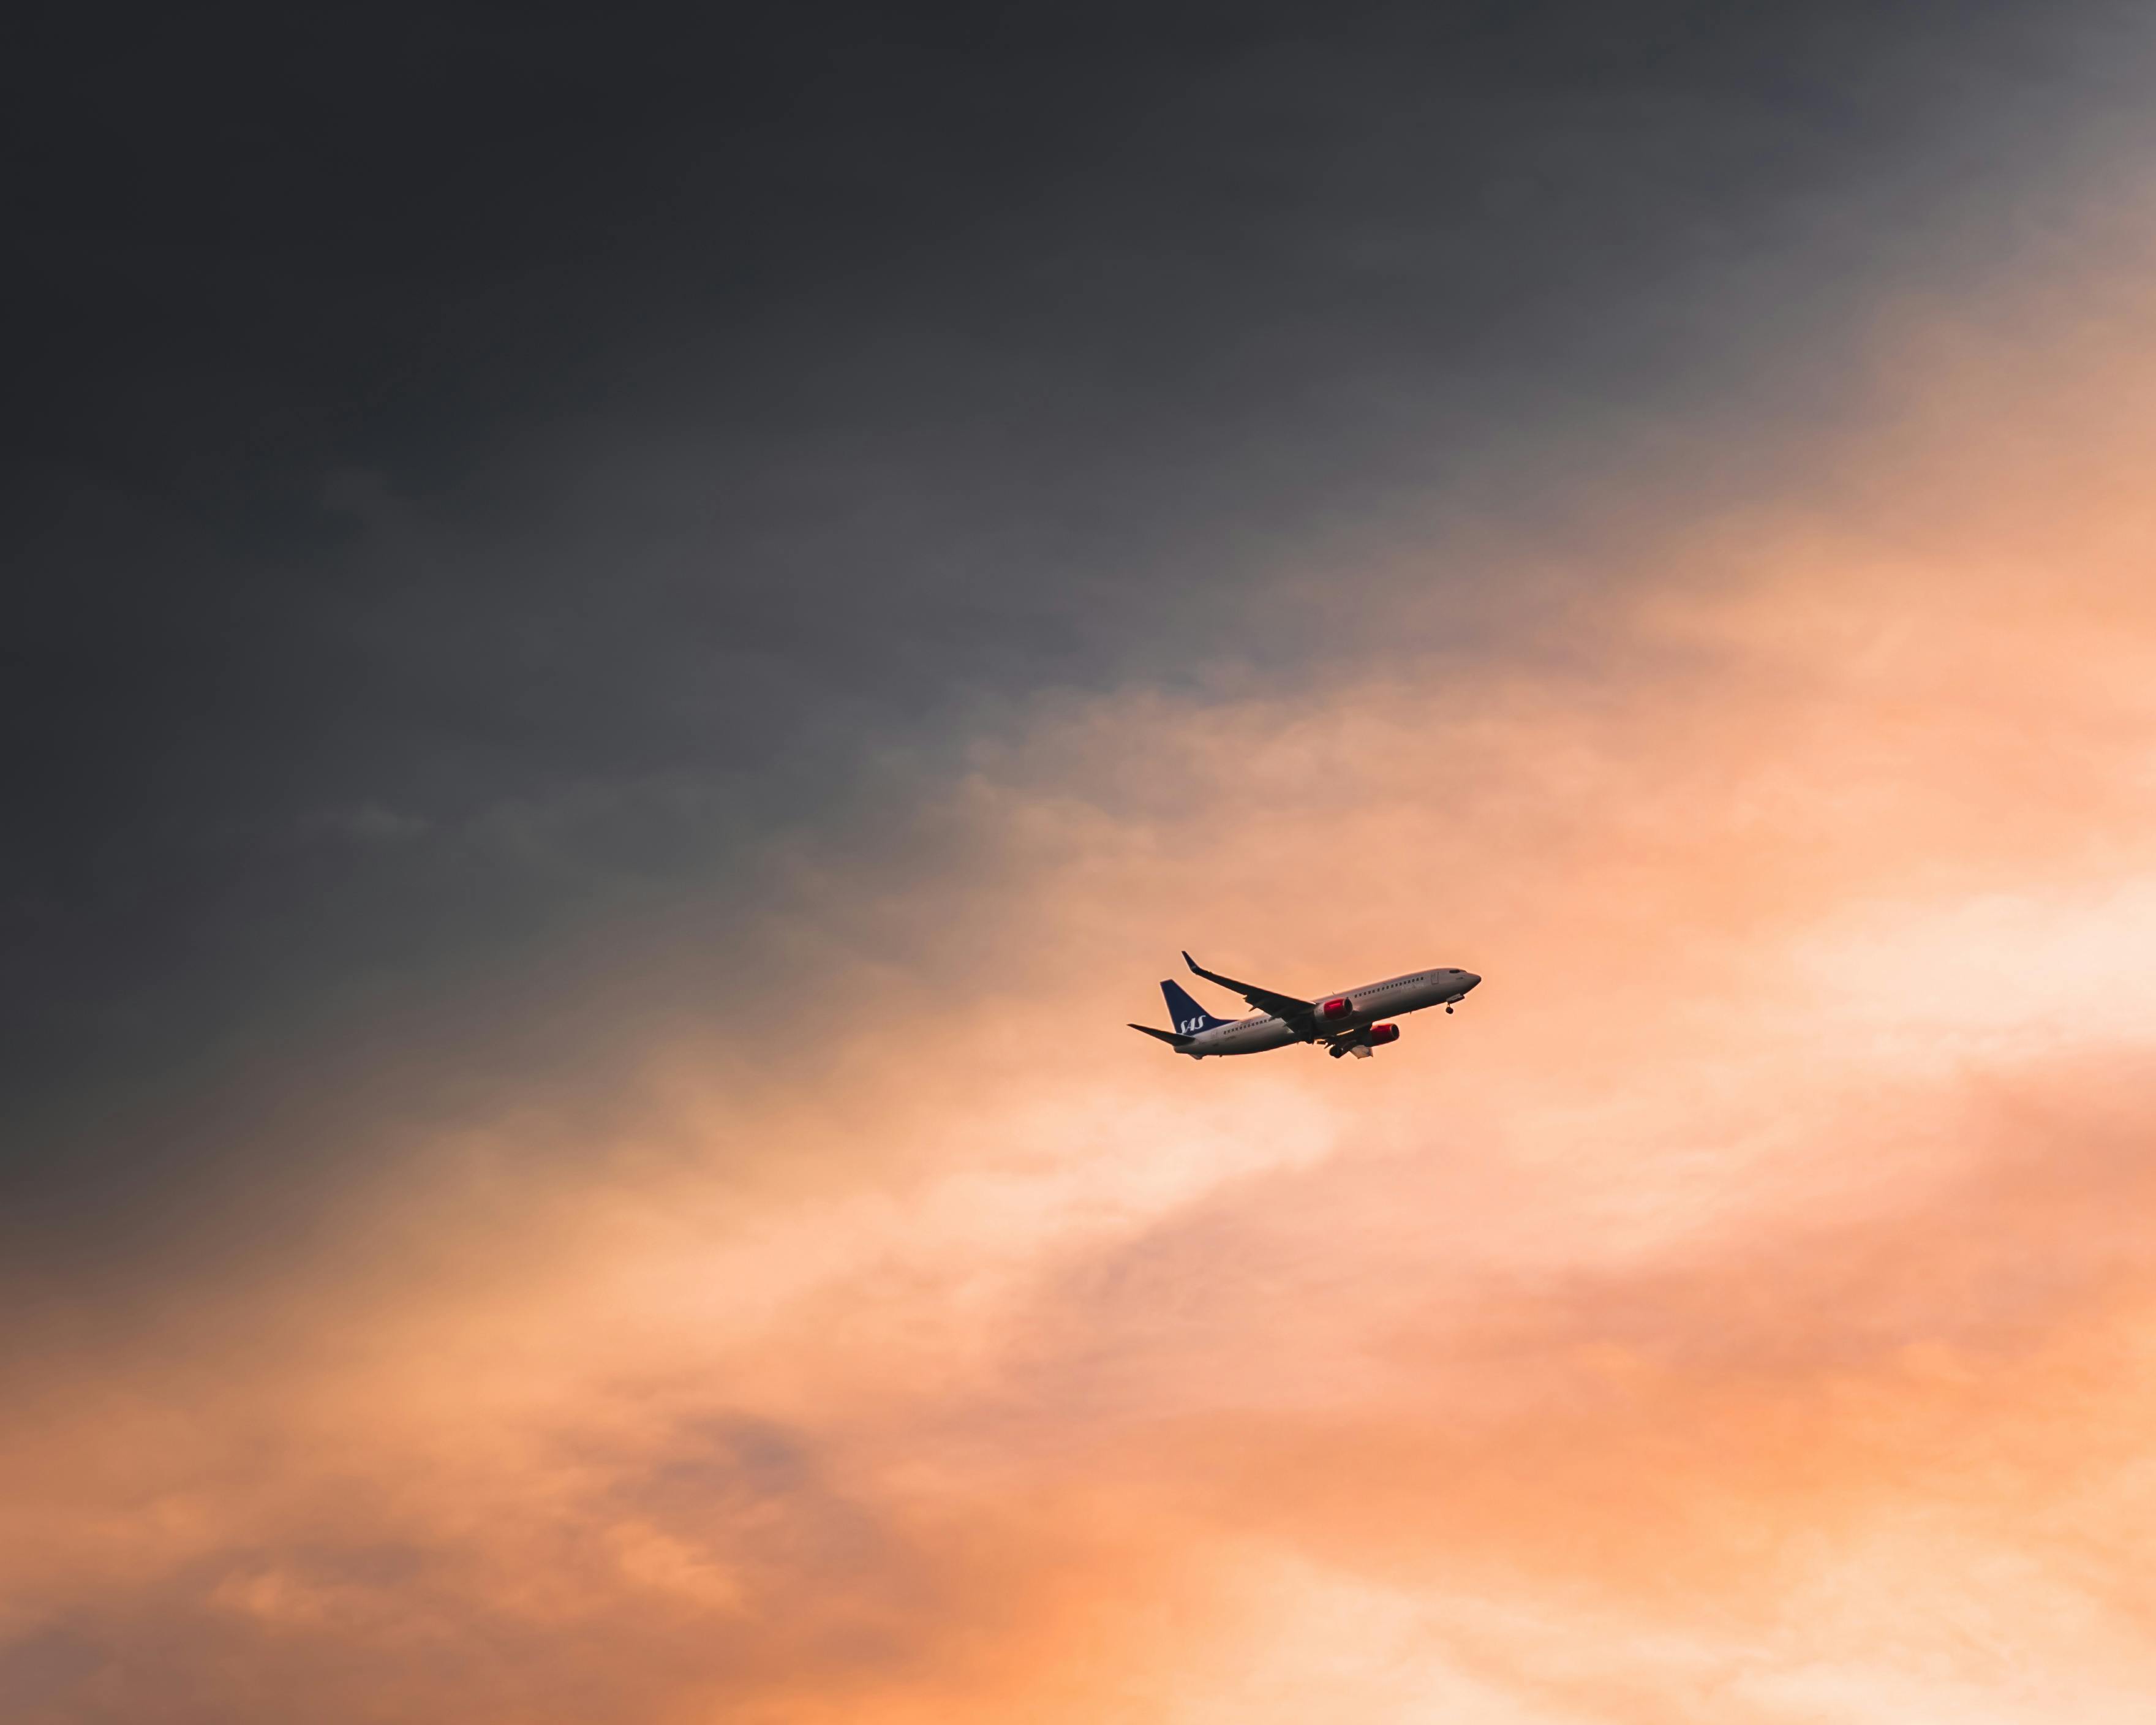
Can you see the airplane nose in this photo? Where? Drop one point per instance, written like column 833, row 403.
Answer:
column 1468, row 980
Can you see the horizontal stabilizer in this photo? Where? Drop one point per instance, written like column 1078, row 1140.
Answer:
column 1168, row 1036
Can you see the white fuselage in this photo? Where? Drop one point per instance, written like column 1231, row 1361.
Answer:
column 1365, row 1006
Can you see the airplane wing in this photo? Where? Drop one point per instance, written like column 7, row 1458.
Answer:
column 1297, row 1014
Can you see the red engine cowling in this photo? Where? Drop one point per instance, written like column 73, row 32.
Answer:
column 1380, row 1034
column 1335, row 1009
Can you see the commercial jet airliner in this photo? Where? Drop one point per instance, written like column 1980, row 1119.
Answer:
column 1342, row 1023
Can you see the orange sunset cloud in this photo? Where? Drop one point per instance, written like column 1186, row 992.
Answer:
column 1738, row 1313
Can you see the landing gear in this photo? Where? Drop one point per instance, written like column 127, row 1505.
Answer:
column 1448, row 1008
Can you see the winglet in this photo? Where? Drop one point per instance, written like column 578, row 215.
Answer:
column 1192, row 964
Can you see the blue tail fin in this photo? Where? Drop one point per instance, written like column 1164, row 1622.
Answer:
column 1187, row 1016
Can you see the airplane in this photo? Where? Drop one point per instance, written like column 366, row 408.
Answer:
column 1342, row 1023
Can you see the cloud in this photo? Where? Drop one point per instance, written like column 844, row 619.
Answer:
column 787, row 1293
column 1732, row 1313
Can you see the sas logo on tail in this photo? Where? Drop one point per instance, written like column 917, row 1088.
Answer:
column 1191, row 1027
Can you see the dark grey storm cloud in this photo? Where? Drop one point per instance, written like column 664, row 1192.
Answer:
column 471, row 472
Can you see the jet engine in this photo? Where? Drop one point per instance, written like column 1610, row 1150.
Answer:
column 1336, row 1008
column 1360, row 1044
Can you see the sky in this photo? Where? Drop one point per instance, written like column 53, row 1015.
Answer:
column 635, row 638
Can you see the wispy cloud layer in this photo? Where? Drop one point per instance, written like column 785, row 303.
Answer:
column 1736, row 1313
